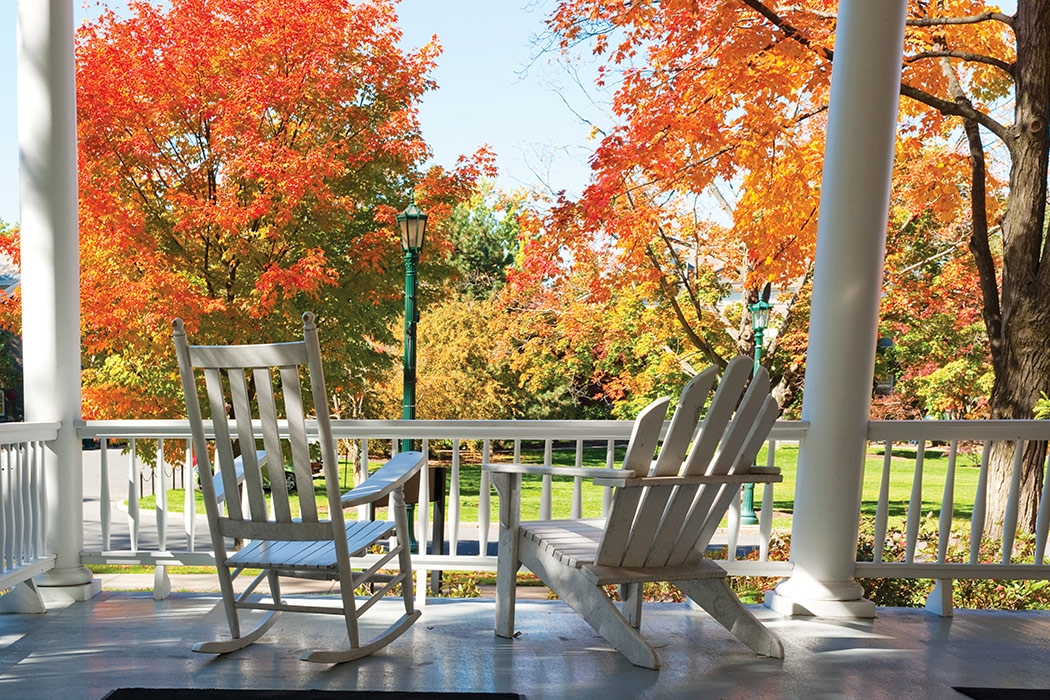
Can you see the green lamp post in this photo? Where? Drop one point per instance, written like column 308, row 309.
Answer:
column 759, row 322
column 413, row 225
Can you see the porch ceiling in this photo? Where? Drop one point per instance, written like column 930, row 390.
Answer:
column 126, row 639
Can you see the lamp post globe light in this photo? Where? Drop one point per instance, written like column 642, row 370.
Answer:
column 759, row 322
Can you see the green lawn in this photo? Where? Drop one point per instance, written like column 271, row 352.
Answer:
column 901, row 475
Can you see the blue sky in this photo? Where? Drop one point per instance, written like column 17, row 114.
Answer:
column 491, row 91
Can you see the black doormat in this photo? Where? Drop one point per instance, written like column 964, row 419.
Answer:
column 1006, row 693
column 243, row 694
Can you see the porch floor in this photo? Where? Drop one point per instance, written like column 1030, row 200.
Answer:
column 119, row 639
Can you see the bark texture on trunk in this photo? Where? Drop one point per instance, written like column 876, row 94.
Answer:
column 1021, row 351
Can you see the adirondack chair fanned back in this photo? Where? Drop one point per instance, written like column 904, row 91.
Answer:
column 655, row 525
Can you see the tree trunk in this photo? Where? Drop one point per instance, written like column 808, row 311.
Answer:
column 1022, row 362
column 1022, row 373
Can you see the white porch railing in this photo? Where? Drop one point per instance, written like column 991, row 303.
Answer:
column 23, row 502
column 977, row 437
column 130, row 534
column 166, row 538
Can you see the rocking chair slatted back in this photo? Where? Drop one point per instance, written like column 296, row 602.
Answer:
column 241, row 413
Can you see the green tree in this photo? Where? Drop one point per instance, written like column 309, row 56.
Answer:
column 484, row 235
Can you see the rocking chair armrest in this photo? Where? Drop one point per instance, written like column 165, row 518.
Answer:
column 399, row 469
column 547, row 469
column 238, row 466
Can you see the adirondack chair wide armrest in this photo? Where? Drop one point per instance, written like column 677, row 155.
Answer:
column 756, row 475
column 380, row 483
column 547, row 469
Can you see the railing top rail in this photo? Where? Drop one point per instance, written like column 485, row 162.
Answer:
column 21, row 432
column 947, row 430
column 429, row 429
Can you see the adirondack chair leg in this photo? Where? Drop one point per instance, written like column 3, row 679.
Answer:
column 631, row 595
column 22, row 598
column 592, row 604
column 716, row 597
column 508, row 486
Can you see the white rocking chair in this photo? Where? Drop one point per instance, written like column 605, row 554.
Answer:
column 662, row 518
column 243, row 402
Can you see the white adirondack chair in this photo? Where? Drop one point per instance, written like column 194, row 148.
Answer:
column 240, row 380
column 662, row 517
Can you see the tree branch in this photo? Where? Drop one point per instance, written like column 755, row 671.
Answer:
column 991, row 306
column 957, row 110
column 1007, row 68
column 696, row 339
column 790, row 31
column 972, row 19
column 942, row 105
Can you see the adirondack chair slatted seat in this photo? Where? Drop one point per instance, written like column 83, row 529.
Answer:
column 662, row 517
column 246, row 388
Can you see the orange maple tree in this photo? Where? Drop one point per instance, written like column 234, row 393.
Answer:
column 240, row 162
column 732, row 94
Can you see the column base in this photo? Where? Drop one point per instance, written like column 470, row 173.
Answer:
column 64, row 586
column 860, row 608
column 64, row 595
column 796, row 597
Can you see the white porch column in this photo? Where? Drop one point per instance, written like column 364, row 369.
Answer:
column 851, row 241
column 51, row 273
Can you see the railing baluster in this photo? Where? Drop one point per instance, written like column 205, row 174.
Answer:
column 979, row 505
column 105, row 503
column 765, row 518
column 41, row 498
column 161, row 580
column 577, row 485
column 360, row 474
column 21, row 508
column 424, row 502
column 453, row 500
column 1010, row 517
column 162, row 498
column 610, row 463
column 882, row 510
column 915, row 503
column 545, row 491
column 944, row 526
column 189, row 500
column 1043, row 518
column 484, row 500
column 5, row 516
column 133, row 497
